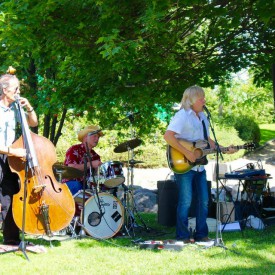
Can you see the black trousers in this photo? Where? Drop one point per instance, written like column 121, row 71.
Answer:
column 9, row 185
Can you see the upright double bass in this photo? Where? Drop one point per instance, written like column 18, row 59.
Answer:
column 42, row 204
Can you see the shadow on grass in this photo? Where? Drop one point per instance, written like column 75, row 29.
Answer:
column 249, row 245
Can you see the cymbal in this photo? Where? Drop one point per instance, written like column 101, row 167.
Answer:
column 67, row 172
column 132, row 161
column 127, row 145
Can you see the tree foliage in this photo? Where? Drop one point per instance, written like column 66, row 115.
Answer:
column 110, row 58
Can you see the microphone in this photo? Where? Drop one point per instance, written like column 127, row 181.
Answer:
column 88, row 151
column 207, row 112
column 17, row 97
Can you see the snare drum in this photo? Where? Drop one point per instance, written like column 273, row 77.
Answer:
column 112, row 173
column 103, row 216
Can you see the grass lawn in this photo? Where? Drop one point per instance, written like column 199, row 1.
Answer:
column 247, row 252
column 267, row 132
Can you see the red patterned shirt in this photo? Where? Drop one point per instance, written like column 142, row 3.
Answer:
column 76, row 154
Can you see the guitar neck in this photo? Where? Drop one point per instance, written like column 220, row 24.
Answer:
column 223, row 149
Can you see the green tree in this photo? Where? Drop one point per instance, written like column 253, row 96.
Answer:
column 114, row 57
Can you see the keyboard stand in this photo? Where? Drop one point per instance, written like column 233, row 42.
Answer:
column 253, row 188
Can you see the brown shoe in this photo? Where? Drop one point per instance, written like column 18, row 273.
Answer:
column 186, row 241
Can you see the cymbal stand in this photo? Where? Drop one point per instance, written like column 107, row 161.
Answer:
column 130, row 207
column 129, row 217
column 130, row 175
column 130, row 168
column 129, row 204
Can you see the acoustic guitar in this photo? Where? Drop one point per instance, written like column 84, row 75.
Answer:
column 178, row 163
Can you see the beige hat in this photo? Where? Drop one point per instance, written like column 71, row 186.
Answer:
column 92, row 130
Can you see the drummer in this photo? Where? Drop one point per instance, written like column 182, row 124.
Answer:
column 76, row 155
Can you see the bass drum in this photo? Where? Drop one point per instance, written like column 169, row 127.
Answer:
column 103, row 216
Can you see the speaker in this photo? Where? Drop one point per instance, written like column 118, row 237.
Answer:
column 168, row 201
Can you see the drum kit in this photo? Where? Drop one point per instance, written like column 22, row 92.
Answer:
column 99, row 213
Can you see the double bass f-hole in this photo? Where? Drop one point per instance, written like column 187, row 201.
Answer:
column 49, row 205
column 58, row 190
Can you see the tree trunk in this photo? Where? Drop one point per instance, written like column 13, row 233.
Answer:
column 47, row 121
column 61, row 123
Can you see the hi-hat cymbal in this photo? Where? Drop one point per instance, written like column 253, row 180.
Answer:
column 127, row 145
column 132, row 161
column 66, row 172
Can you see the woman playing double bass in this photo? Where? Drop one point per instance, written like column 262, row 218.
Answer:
column 9, row 181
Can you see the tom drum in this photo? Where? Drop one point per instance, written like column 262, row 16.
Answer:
column 112, row 173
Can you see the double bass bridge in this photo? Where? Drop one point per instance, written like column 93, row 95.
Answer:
column 39, row 188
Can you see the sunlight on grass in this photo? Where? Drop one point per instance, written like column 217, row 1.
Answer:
column 247, row 252
column 267, row 132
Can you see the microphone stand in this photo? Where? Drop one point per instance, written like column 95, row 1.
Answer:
column 82, row 231
column 22, row 244
column 29, row 163
column 218, row 242
column 89, row 158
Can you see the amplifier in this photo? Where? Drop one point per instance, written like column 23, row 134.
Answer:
column 245, row 173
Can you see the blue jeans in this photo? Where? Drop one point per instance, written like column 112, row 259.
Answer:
column 191, row 184
column 74, row 186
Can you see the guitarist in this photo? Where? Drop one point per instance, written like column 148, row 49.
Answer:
column 190, row 123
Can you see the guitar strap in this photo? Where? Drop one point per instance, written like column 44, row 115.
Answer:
column 205, row 133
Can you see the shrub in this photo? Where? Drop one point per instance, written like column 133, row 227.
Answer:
column 248, row 129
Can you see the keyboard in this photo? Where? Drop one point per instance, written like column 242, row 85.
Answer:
column 245, row 173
